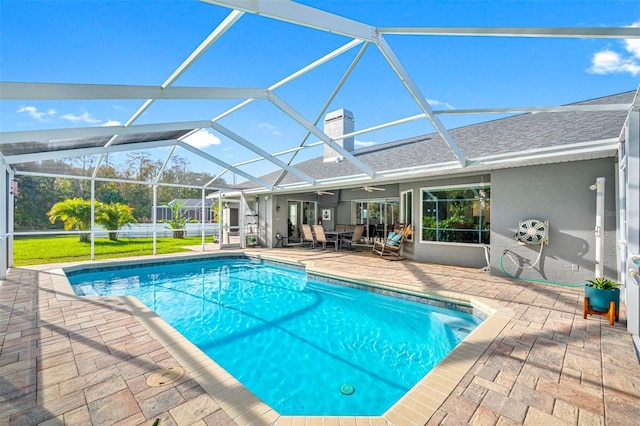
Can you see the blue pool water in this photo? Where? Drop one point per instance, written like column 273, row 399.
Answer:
column 293, row 341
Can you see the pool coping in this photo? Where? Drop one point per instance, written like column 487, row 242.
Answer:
column 415, row 407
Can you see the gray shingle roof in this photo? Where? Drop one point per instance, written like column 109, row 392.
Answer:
column 506, row 135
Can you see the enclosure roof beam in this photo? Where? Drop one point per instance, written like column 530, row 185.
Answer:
column 65, row 153
column 299, row 14
column 265, row 155
column 534, row 109
column 557, row 32
column 71, row 91
column 307, row 16
column 287, row 109
column 326, row 58
column 417, row 95
column 221, row 163
column 215, row 35
column 164, row 165
column 88, row 132
column 326, row 105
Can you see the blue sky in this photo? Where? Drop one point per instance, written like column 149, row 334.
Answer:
column 142, row 42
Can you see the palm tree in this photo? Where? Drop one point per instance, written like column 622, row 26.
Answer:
column 113, row 217
column 74, row 214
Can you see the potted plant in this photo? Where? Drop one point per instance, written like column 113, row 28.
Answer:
column 599, row 293
column 178, row 222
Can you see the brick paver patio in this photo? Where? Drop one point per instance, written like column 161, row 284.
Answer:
column 80, row 362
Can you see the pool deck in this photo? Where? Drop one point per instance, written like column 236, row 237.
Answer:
column 73, row 361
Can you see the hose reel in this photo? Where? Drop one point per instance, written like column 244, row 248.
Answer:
column 533, row 231
column 530, row 231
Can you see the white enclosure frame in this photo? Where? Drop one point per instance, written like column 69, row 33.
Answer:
column 358, row 34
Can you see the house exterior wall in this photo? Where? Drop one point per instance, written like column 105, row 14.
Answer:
column 560, row 194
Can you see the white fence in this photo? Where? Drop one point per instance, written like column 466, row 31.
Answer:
column 146, row 230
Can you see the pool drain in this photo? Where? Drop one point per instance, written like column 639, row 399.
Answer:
column 347, row 389
column 165, row 376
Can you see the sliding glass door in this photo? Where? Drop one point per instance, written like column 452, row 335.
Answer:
column 298, row 213
column 378, row 215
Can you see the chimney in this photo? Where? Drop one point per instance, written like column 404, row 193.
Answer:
column 336, row 124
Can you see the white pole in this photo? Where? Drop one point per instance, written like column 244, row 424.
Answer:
column 154, row 218
column 93, row 219
column 4, row 212
column 599, row 231
column 202, row 218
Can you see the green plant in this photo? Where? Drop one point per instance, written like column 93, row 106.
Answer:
column 603, row 284
column 74, row 213
column 113, row 217
column 177, row 222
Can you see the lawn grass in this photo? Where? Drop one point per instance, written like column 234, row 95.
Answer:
column 37, row 250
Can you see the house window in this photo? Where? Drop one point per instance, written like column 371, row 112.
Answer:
column 456, row 215
column 406, row 209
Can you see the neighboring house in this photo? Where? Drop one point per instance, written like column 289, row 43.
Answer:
column 191, row 208
column 528, row 166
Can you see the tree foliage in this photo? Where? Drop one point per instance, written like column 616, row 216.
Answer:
column 113, row 217
column 74, row 213
column 38, row 194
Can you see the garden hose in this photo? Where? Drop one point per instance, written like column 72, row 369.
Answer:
column 533, row 280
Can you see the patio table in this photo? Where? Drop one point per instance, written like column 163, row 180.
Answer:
column 338, row 236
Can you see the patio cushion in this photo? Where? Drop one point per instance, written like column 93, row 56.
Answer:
column 393, row 239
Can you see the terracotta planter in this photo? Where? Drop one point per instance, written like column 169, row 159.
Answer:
column 599, row 300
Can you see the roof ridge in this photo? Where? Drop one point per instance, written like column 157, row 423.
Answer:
column 482, row 123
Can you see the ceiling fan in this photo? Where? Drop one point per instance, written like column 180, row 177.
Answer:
column 324, row 193
column 369, row 189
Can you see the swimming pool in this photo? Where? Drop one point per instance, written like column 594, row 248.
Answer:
column 299, row 344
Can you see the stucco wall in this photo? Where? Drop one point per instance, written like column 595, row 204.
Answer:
column 560, row 194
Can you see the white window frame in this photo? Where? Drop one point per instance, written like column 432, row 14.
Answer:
column 403, row 211
column 444, row 188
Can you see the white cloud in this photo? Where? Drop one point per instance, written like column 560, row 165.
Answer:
column 632, row 45
column 610, row 62
column 35, row 114
column 85, row 117
column 202, row 139
column 437, row 103
column 112, row 123
column 364, row 143
column 270, row 128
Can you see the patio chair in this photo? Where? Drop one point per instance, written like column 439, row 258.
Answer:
column 391, row 247
column 341, row 228
column 318, row 230
column 357, row 235
column 306, row 236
